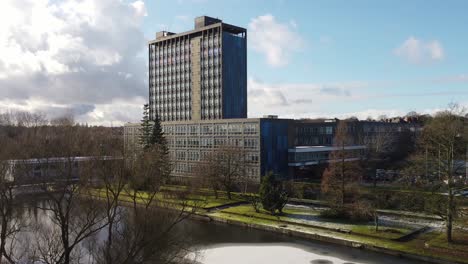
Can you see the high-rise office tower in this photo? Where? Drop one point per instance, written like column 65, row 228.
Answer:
column 200, row 74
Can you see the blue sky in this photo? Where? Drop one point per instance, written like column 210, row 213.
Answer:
column 305, row 58
column 351, row 43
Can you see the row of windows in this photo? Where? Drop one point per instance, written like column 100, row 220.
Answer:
column 211, row 91
column 173, row 102
column 166, row 59
column 212, row 129
column 171, row 88
column 180, row 60
column 172, row 68
column 173, row 116
column 173, row 111
column 308, row 156
column 210, row 74
column 176, row 107
column 210, row 41
column 172, row 96
column 328, row 130
column 170, row 71
column 302, row 140
column 382, row 128
column 319, row 156
column 253, row 173
column 211, row 106
column 208, row 62
column 170, row 78
column 194, row 142
column 190, row 155
column 184, row 168
column 211, row 53
column 170, row 49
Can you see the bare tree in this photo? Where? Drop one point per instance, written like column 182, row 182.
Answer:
column 442, row 154
column 73, row 212
column 111, row 177
column 66, row 162
column 206, row 174
column 9, row 223
column 344, row 170
column 145, row 231
column 149, row 237
column 224, row 167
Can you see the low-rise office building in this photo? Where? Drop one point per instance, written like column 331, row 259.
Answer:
column 264, row 142
column 290, row 148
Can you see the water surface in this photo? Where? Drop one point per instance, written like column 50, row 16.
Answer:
column 220, row 243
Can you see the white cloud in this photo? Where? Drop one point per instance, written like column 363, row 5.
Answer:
column 296, row 99
column 114, row 113
column 328, row 100
column 71, row 54
column 419, row 51
column 140, row 8
column 277, row 41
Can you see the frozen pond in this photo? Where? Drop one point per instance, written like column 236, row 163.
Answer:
column 219, row 243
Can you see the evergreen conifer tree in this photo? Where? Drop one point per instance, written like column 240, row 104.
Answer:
column 146, row 129
column 272, row 195
column 157, row 135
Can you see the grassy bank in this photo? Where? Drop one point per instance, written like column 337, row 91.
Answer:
column 427, row 245
column 307, row 223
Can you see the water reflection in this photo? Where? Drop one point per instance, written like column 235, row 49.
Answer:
column 219, row 243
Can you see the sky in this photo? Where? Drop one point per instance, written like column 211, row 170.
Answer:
column 305, row 58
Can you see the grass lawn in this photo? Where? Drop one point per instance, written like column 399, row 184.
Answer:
column 384, row 232
column 460, row 242
column 288, row 213
column 310, row 217
column 198, row 201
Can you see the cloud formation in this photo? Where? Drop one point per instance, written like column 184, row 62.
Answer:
column 277, row 41
column 419, row 51
column 295, row 99
column 71, row 54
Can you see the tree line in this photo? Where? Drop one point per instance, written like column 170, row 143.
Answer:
column 106, row 209
column 434, row 168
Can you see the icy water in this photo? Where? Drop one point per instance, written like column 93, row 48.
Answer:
column 219, row 243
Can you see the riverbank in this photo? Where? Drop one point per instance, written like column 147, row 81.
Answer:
column 399, row 249
column 426, row 246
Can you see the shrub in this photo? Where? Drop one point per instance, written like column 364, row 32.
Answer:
column 272, row 194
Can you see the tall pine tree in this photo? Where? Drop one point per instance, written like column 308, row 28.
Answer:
column 157, row 135
column 146, row 129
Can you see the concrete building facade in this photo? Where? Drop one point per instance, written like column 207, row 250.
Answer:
column 264, row 142
column 200, row 74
